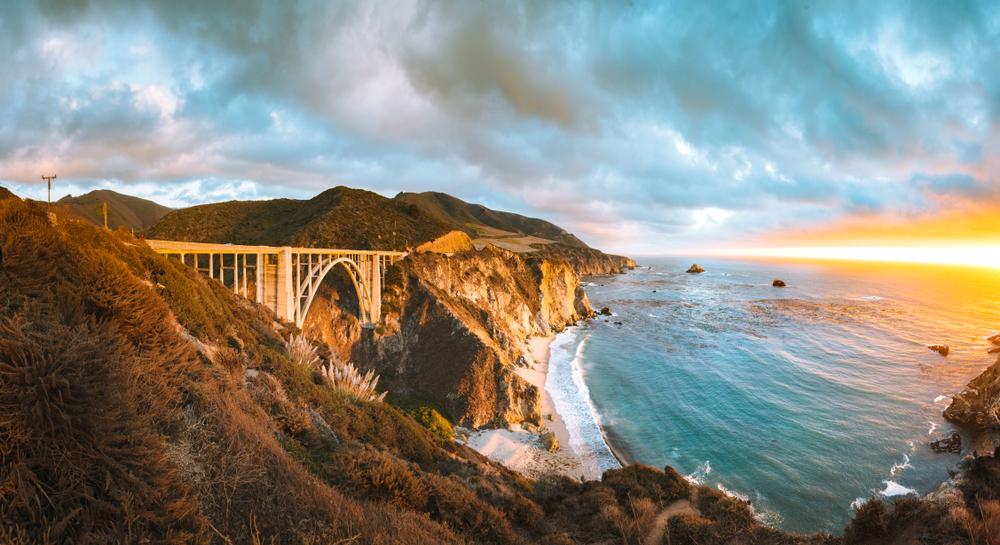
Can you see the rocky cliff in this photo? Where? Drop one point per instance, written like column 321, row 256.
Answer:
column 454, row 327
column 978, row 406
column 586, row 261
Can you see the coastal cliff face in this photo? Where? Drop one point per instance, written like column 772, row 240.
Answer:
column 454, row 327
column 978, row 406
column 586, row 261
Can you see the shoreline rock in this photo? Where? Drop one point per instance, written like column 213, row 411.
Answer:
column 695, row 269
column 779, row 283
column 940, row 349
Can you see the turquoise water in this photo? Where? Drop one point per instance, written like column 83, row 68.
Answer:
column 806, row 399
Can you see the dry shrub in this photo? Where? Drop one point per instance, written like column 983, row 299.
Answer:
column 642, row 481
column 524, row 513
column 869, row 523
column 374, row 475
column 80, row 456
column 632, row 521
column 688, row 529
column 979, row 524
column 253, row 489
column 231, row 360
column 732, row 517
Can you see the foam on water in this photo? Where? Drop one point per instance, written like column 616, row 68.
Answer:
column 939, row 399
column 698, row 477
column 893, row 488
column 571, row 398
column 933, row 427
column 900, row 467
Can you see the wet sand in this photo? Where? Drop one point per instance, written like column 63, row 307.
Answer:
column 524, row 451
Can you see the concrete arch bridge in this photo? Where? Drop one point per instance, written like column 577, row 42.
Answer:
column 286, row 279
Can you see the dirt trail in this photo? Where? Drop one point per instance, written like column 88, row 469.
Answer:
column 655, row 535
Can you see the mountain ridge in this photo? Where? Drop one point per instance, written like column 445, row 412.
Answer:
column 123, row 210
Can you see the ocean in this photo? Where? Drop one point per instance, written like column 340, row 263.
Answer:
column 806, row 400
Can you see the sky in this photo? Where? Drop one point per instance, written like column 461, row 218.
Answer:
column 642, row 127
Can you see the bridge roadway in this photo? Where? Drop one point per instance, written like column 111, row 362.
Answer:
column 285, row 279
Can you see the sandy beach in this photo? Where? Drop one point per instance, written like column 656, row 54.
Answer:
column 523, row 450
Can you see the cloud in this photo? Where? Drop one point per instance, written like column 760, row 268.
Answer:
column 608, row 118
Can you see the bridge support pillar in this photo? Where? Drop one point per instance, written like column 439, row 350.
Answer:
column 286, row 286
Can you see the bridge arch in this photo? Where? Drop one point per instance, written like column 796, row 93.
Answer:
column 318, row 272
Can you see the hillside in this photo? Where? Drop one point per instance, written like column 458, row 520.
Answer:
column 517, row 233
column 337, row 218
column 141, row 402
column 480, row 222
column 123, row 210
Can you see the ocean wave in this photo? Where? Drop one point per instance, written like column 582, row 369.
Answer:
column 913, row 447
column 933, row 427
column 857, row 503
column 571, row 398
column 893, row 488
column 698, row 477
column 939, row 399
column 732, row 493
column 873, row 298
column 900, row 467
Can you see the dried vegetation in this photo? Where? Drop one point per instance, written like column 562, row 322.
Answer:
column 141, row 402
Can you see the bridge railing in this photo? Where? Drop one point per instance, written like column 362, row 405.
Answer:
column 286, row 277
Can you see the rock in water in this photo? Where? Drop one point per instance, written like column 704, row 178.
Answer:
column 695, row 269
column 994, row 339
column 940, row 349
column 993, row 350
column 778, row 283
column 606, row 311
column 948, row 444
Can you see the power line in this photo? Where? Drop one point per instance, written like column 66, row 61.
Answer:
column 25, row 193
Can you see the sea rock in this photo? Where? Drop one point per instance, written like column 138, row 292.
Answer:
column 549, row 441
column 606, row 311
column 778, row 283
column 993, row 350
column 994, row 339
column 940, row 349
column 979, row 399
column 948, row 444
column 695, row 269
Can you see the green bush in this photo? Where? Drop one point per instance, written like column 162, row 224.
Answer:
column 433, row 421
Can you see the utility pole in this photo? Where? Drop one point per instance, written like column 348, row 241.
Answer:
column 49, row 178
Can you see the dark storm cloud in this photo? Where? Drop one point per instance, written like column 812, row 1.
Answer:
column 614, row 118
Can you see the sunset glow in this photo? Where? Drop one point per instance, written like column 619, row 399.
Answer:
column 985, row 256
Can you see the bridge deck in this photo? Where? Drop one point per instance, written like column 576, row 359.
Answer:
column 204, row 247
column 286, row 278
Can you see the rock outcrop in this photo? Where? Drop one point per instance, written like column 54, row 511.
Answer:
column 978, row 406
column 586, row 261
column 695, row 269
column 454, row 327
column 940, row 349
column 951, row 444
column 779, row 283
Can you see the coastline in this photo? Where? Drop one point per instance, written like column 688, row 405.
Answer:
column 523, row 450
